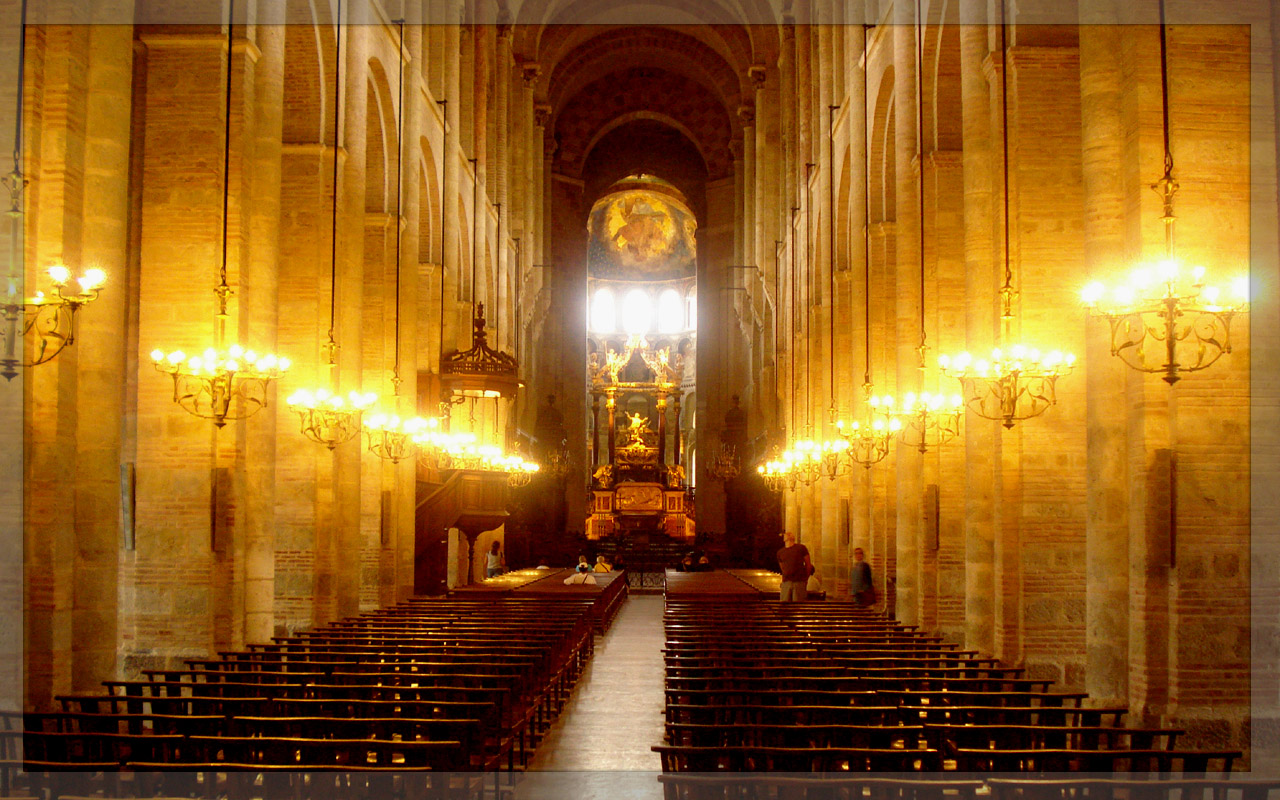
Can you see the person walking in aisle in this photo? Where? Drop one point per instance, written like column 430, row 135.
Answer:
column 795, row 566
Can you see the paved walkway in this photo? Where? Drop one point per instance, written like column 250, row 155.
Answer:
column 599, row 747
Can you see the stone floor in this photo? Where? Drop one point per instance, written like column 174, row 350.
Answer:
column 599, row 747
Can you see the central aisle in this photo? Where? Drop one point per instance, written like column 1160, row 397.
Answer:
column 599, row 746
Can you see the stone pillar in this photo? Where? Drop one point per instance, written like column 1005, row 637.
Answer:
column 259, row 317
column 452, row 181
column 56, row 608
column 178, row 543
column 102, row 360
column 767, row 197
column 909, row 462
column 1106, row 525
column 982, row 438
column 346, row 542
column 787, row 105
column 404, row 491
column 502, row 91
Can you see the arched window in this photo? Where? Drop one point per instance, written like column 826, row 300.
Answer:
column 603, row 312
column 637, row 312
column 670, row 312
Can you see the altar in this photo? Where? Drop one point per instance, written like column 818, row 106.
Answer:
column 638, row 489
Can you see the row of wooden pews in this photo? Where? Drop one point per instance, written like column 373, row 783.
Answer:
column 836, row 689
column 415, row 700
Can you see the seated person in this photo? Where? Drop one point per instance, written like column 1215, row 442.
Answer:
column 582, row 575
column 602, row 565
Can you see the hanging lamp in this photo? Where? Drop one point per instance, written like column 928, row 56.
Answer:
column 1166, row 319
column 928, row 419
column 225, row 381
column 390, row 435
column 326, row 416
column 49, row 318
column 805, row 454
column 868, row 438
column 1017, row 382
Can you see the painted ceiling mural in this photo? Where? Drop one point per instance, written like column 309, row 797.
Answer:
column 641, row 230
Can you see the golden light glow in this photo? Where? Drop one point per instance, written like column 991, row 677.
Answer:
column 221, row 384
column 1165, row 318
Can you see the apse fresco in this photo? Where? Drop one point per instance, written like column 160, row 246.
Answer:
column 641, row 234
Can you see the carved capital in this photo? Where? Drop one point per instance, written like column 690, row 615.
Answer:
column 747, row 114
column 530, row 71
column 757, row 73
column 541, row 114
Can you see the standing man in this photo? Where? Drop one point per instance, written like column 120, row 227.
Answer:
column 860, row 580
column 795, row 566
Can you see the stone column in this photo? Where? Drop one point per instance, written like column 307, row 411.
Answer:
column 982, row 439
column 351, row 281
column 502, row 128
column 53, row 165
column 909, row 461
column 452, row 185
column 787, row 105
column 1107, row 521
column 178, row 543
column 102, row 360
column 858, row 325
column 259, row 317
column 402, row 534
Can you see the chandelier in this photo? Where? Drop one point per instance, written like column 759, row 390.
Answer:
column 775, row 472
column 51, row 318
column 328, row 418
column 867, row 442
column 557, row 466
column 1167, row 320
column 925, row 420
column 224, row 381
column 325, row 415
column 805, row 461
column 724, row 466
column 1017, row 382
column 1010, row 386
column 392, row 437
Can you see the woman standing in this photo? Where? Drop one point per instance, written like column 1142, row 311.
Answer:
column 493, row 560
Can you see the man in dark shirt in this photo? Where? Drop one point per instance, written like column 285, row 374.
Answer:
column 795, row 566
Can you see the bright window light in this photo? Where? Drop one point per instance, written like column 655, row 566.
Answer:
column 602, row 312
column 670, row 312
column 637, row 312
column 693, row 311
